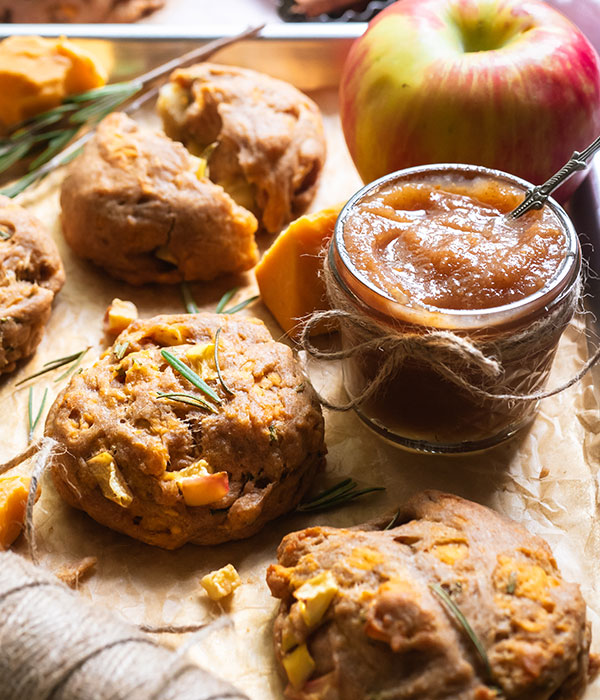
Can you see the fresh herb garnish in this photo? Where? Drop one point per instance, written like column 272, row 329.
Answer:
column 226, row 389
column 73, row 367
column 511, row 586
column 119, row 349
column 273, row 437
column 453, row 608
column 188, row 399
column 190, row 305
column 85, row 108
column 339, row 494
column 5, row 232
column 34, row 421
column 50, row 366
column 190, row 375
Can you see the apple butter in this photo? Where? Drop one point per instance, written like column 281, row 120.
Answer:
column 427, row 251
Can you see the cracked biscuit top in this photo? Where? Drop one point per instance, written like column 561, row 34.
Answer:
column 137, row 204
column 149, row 454
column 31, row 273
column 374, row 614
column 269, row 135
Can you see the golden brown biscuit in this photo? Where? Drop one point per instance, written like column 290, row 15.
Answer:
column 363, row 612
column 31, row 273
column 271, row 145
column 44, row 11
column 134, row 204
column 166, row 472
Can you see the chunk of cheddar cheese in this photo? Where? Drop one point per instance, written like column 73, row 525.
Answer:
column 288, row 274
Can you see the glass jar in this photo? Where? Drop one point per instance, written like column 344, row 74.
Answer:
column 441, row 402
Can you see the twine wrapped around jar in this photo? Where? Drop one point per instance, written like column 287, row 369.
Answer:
column 57, row 645
column 477, row 367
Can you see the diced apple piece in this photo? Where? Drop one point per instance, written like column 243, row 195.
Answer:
column 315, row 596
column 221, row 583
column 288, row 275
column 289, row 639
column 168, row 335
column 299, row 666
column 13, row 500
column 110, row 480
column 204, row 489
column 119, row 315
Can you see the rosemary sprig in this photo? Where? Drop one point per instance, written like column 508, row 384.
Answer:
column 50, row 366
column 190, row 305
column 188, row 399
column 85, row 108
column 226, row 389
column 119, row 349
column 190, row 375
column 456, row 612
column 73, row 367
column 339, row 494
column 33, row 422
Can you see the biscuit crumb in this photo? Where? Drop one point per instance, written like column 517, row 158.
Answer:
column 74, row 574
column 221, row 583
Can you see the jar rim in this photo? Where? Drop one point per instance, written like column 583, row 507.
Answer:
column 551, row 292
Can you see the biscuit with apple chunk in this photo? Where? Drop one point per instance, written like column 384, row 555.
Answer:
column 270, row 141
column 374, row 614
column 139, row 205
column 144, row 455
column 31, row 274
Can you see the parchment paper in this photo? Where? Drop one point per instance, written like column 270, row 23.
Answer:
column 547, row 478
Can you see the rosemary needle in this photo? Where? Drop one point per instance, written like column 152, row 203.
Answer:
column 190, row 375
column 190, row 305
column 392, row 522
column 119, row 349
column 218, row 367
column 188, row 399
column 34, row 421
column 55, row 364
column 456, row 612
column 241, row 305
column 225, row 299
column 339, row 494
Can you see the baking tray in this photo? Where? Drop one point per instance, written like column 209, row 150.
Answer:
column 310, row 56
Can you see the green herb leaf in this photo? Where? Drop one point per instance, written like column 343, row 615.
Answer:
column 34, row 421
column 188, row 399
column 55, row 364
column 225, row 299
column 241, row 305
column 218, row 367
column 5, row 232
column 119, row 349
column 339, row 494
column 55, row 145
column 511, row 587
column 273, row 437
column 190, row 305
column 11, row 156
column 73, row 367
column 190, row 375
column 453, row 608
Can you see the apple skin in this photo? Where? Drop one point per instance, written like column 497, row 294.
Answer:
column 522, row 98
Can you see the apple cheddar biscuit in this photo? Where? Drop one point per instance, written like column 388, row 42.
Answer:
column 148, row 453
column 31, row 274
column 139, row 205
column 454, row 603
column 270, row 145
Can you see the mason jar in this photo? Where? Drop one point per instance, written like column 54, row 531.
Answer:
column 438, row 379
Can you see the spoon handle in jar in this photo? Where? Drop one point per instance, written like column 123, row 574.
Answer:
column 536, row 197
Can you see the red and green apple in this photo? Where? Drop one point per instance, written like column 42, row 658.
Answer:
column 510, row 84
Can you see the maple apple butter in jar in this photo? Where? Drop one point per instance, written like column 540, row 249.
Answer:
column 450, row 312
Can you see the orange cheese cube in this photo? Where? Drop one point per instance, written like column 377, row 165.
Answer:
column 288, row 274
column 13, row 500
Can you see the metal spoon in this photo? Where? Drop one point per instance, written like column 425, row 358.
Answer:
column 536, row 197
